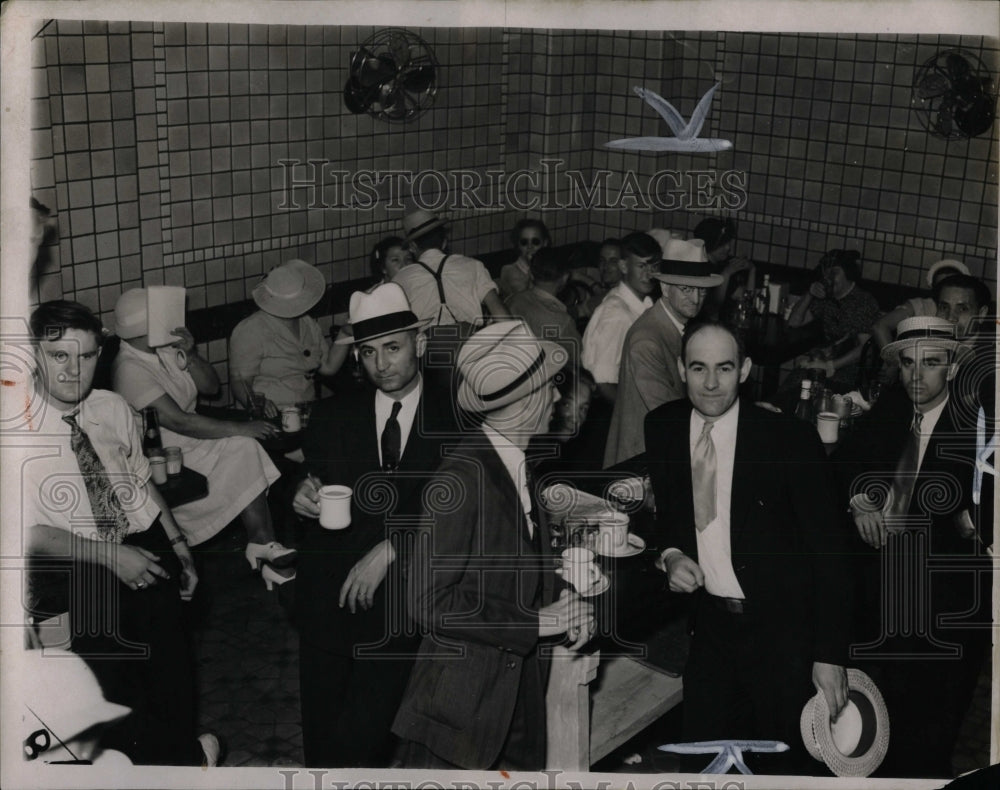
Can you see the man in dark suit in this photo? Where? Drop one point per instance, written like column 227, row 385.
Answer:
column 479, row 581
column 357, row 645
column 921, row 550
column 746, row 523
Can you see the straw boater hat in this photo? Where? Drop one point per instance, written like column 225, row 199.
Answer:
column 947, row 263
column 502, row 363
column 290, row 289
column 685, row 263
column 131, row 317
column 856, row 743
column 383, row 311
column 926, row 330
column 420, row 222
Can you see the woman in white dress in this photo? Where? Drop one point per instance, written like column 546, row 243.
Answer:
column 239, row 472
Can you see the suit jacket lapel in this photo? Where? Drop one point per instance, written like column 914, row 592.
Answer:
column 745, row 474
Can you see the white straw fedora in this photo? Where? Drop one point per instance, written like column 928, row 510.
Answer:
column 420, row 222
column 856, row 743
column 947, row 263
column 502, row 363
column 686, row 263
column 382, row 311
column 290, row 289
column 925, row 330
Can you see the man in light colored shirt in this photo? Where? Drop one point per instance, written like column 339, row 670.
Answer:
column 479, row 584
column 648, row 374
column 746, row 525
column 605, row 333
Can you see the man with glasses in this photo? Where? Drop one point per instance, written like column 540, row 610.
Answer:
column 648, row 375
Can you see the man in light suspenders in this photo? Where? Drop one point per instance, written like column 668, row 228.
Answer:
column 449, row 290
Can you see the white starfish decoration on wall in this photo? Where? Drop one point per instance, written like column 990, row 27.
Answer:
column 685, row 134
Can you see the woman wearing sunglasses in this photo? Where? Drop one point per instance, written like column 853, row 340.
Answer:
column 528, row 237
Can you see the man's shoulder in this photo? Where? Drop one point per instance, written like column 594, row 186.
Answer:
column 671, row 411
column 105, row 404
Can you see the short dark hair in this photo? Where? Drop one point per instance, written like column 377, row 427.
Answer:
column 642, row 245
column 432, row 239
column 695, row 326
column 965, row 281
column 547, row 266
column 612, row 242
column 377, row 258
column 51, row 320
column 524, row 224
column 715, row 232
column 848, row 260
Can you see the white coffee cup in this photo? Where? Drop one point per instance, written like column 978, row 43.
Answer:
column 335, row 507
column 578, row 568
column 291, row 419
column 612, row 533
column 158, row 469
column 828, row 425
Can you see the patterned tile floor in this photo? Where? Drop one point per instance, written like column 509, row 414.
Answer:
column 247, row 658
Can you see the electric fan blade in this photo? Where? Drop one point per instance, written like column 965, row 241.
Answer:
column 400, row 50
column 932, row 86
column 418, row 79
column 376, row 71
column 356, row 98
column 957, row 66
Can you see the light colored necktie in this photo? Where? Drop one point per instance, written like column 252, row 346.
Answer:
column 703, row 465
column 112, row 523
column 906, row 470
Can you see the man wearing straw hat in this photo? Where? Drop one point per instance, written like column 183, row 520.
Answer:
column 921, row 559
column 356, row 645
column 648, row 374
column 478, row 583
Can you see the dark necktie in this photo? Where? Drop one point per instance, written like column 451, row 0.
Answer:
column 703, row 466
column 112, row 523
column 906, row 470
column 392, row 439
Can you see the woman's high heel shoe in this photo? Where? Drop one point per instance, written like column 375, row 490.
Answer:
column 279, row 556
column 271, row 577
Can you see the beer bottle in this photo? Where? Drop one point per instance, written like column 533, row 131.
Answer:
column 150, row 430
column 804, row 408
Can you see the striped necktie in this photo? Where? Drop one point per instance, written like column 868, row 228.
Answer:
column 112, row 523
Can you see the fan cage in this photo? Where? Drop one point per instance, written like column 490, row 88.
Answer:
column 934, row 94
column 389, row 99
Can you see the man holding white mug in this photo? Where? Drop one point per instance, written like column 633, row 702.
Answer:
column 356, row 643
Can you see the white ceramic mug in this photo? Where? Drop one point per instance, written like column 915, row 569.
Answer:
column 828, row 425
column 291, row 419
column 158, row 469
column 612, row 533
column 579, row 569
column 335, row 507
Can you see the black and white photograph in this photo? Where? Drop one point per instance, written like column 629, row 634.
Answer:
column 467, row 393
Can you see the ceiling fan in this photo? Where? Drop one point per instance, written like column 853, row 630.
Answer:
column 392, row 77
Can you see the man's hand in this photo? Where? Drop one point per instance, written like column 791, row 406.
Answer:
column 135, row 566
column 189, row 578
column 306, row 500
column 570, row 615
column 831, row 679
column 185, row 340
column 871, row 527
column 256, row 429
column 683, row 573
column 365, row 577
column 734, row 265
column 818, row 290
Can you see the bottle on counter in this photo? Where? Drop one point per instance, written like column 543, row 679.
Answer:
column 150, row 431
column 804, row 408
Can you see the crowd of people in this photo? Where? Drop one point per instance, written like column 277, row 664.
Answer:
column 424, row 625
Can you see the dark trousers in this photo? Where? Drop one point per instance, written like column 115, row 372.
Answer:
column 747, row 678
column 136, row 644
column 348, row 705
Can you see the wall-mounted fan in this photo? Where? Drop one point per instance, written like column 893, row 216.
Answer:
column 954, row 95
column 393, row 76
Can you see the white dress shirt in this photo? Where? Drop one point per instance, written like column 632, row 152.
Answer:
column 407, row 413
column 513, row 460
column 604, row 336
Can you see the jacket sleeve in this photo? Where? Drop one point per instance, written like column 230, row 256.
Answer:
column 456, row 589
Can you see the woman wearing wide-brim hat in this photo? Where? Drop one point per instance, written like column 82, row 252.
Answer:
column 279, row 350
